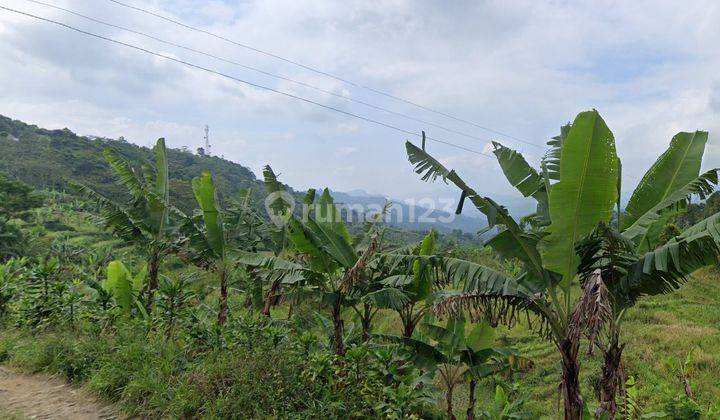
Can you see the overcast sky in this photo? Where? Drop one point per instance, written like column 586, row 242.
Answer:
column 651, row 68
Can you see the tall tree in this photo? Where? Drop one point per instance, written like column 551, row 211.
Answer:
column 143, row 219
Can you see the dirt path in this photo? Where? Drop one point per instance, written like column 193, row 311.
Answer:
column 44, row 397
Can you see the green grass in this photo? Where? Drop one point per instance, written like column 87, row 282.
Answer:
column 656, row 329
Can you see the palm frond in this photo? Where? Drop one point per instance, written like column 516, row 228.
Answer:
column 488, row 294
column 473, row 277
column 497, row 308
column 266, row 262
column 513, row 241
column 709, row 225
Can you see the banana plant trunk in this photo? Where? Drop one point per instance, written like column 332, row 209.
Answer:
column 152, row 285
column 609, row 380
column 366, row 321
column 471, row 400
column 449, row 402
column 409, row 321
column 222, row 304
column 339, row 327
column 572, row 399
column 408, row 329
column 271, row 298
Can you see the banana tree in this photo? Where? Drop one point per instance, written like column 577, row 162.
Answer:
column 576, row 189
column 457, row 355
column 204, row 243
column 142, row 220
column 608, row 254
column 332, row 256
column 407, row 291
column 275, row 242
column 368, row 297
column 278, row 232
column 332, row 263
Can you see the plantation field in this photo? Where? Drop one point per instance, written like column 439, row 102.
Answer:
column 662, row 327
column 236, row 310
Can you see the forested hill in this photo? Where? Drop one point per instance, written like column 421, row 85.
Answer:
column 53, row 158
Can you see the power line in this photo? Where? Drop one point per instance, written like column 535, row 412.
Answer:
column 258, row 86
column 318, row 71
column 224, row 60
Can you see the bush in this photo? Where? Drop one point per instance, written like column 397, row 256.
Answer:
column 250, row 368
column 682, row 408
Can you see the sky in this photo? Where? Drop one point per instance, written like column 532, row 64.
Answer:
column 521, row 68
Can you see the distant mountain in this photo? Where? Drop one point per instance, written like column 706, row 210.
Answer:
column 406, row 216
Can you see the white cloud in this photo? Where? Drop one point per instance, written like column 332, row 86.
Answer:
column 523, row 68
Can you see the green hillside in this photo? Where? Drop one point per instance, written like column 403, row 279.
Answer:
column 54, row 159
column 51, row 159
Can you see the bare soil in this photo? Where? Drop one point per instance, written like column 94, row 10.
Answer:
column 45, row 397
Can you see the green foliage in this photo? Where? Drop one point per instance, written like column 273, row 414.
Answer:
column 585, row 194
column 204, row 190
column 502, row 408
column 613, row 266
column 678, row 166
column 268, row 372
column 267, row 355
column 119, row 284
column 16, row 200
column 682, row 407
column 55, row 159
